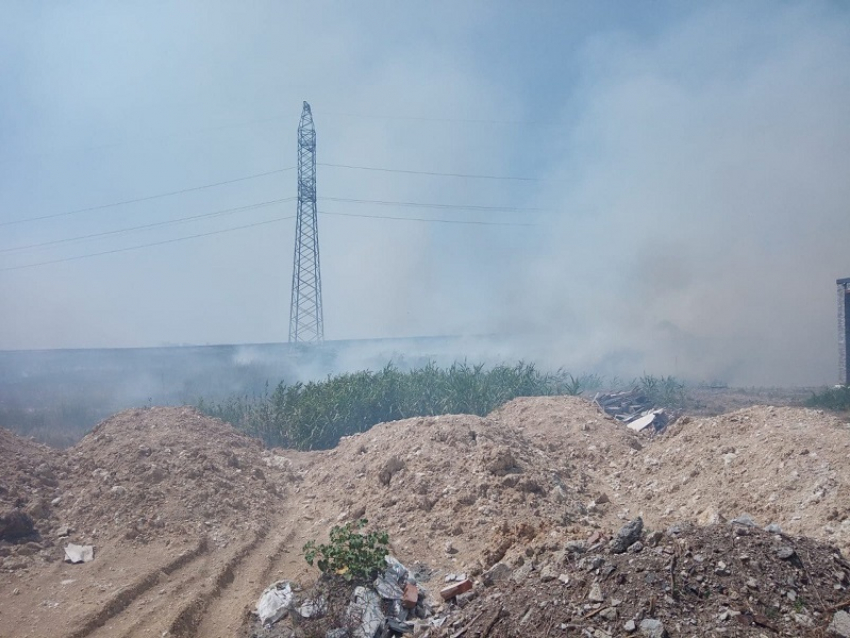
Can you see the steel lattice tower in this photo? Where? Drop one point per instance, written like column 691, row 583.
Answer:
column 306, row 323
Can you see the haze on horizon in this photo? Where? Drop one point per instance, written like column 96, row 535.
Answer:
column 684, row 207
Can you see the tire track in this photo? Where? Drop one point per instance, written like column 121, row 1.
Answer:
column 124, row 598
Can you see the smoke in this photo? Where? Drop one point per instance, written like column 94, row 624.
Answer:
column 708, row 219
column 693, row 165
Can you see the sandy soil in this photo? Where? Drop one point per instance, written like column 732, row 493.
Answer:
column 191, row 520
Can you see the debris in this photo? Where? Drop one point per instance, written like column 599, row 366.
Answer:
column 387, row 588
column 628, row 534
column 364, row 611
column 595, row 594
column 451, row 591
column 410, row 596
column 840, row 625
column 652, row 628
column 656, row 418
column 495, row 574
column 315, row 608
column 275, row 601
column 79, row 553
column 744, row 519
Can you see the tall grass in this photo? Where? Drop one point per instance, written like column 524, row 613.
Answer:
column 315, row 415
column 837, row 398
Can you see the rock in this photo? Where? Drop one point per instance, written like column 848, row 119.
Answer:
column 609, row 613
column 576, row 546
column 522, row 572
column 496, row 574
column 635, row 548
column 629, row 626
column 628, row 534
column 548, row 573
column 744, row 519
column 840, row 625
column 393, row 465
column 64, row 530
column 773, row 528
column 652, row 628
column 595, row 594
column 501, row 461
column 462, row 600
column 654, row 538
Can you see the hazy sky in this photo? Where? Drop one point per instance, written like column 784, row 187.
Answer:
column 688, row 210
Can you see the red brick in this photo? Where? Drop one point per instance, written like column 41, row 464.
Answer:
column 458, row 588
column 411, row 596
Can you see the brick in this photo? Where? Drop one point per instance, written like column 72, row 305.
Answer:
column 458, row 588
column 410, row 597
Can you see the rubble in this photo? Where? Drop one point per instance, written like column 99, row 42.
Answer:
column 725, row 579
column 79, row 553
column 633, row 408
column 275, row 602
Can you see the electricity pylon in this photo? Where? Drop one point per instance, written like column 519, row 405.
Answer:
column 306, row 323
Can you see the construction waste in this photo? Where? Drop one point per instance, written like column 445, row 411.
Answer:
column 733, row 579
column 635, row 409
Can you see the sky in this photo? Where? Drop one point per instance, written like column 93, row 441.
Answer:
column 611, row 186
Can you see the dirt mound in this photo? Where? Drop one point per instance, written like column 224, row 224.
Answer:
column 727, row 579
column 143, row 474
column 30, row 474
column 782, row 465
column 455, row 491
column 192, row 520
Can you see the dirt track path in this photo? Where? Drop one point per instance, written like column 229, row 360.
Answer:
column 209, row 592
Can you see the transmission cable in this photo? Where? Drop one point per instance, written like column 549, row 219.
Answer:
column 434, row 173
column 380, row 202
column 168, row 222
column 427, row 219
column 150, row 245
column 147, row 197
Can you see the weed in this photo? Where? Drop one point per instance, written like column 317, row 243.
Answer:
column 350, row 554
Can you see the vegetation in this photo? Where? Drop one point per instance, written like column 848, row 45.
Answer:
column 316, row 415
column 350, row 554
column 664, row 391
column 837, row 398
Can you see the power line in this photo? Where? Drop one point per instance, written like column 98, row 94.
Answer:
column 500, row 209
column 119, row 231
column 150, row 245
column 245, row 226
column 425, row 219
column 434, row 173
column 147, row 197
column 227, row 211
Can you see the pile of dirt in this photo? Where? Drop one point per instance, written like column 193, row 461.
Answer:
column 731, row 580
column 157, row 472
column 29, row 493
column 781, row 465
column 457, row 491
column 191, row 520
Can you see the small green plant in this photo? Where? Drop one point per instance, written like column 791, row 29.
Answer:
column 350, row 554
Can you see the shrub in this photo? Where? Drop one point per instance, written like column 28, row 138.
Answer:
column 837, row 398
column 350, row 554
